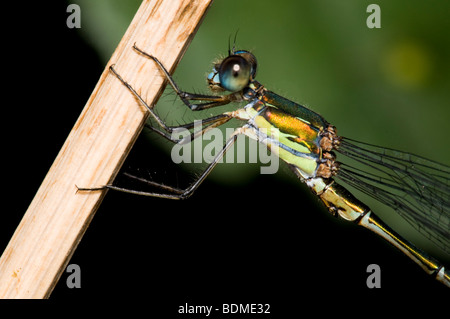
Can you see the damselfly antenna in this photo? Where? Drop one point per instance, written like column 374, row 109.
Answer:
column 233, row 49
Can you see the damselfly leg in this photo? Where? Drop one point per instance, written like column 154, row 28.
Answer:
column 174, row 193
column 167, row 132
column 210, row 100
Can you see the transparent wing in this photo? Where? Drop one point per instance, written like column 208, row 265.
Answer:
column 417, row 188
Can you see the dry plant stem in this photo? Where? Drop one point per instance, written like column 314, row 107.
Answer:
column 95, row 149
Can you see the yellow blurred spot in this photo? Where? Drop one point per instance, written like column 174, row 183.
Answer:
column 407, row 65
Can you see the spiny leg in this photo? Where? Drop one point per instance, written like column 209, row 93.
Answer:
column 213, row 100
column 176, row 192
column 141, row 100
column 210, row 122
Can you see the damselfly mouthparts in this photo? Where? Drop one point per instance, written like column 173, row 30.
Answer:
column 416, row 188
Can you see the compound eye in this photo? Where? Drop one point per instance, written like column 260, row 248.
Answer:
column 234, row 73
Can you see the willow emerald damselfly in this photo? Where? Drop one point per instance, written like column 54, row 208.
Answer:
column 416, row 188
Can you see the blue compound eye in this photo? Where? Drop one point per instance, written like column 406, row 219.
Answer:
column 234, row 73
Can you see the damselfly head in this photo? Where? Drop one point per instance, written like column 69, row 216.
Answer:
column 234, row 73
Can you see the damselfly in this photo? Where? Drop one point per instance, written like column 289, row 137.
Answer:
column 416, row 188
